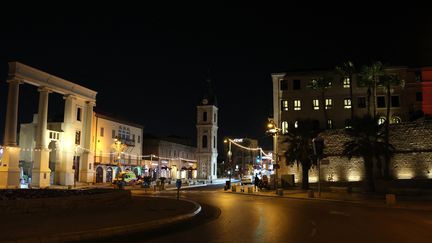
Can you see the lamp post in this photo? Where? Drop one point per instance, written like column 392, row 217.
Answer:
column 229, row 154
column 274, row 130
column 119, row 148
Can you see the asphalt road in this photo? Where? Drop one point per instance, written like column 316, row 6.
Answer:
column 228, row 217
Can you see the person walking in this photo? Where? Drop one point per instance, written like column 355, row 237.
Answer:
column 257, row 180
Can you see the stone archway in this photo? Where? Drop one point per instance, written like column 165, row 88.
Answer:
column 99, row 174
column 109, row 174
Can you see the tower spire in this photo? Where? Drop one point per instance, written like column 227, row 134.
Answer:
column 208, row 96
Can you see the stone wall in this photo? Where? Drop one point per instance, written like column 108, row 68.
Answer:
column 413, row 158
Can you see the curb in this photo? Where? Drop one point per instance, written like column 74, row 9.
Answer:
column 355, row 203
column 115, row 230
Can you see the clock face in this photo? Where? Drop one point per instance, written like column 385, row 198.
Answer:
column 205, row 101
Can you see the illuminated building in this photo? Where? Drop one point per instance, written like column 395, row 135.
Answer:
column 294, row 100
column 170, row 157
column 118, row 147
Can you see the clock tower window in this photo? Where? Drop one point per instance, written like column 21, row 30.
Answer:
column 204, row 141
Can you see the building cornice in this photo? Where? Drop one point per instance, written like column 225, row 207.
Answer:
column 39, row 78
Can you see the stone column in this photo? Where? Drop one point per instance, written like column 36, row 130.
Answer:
column 87, row 168
column 11, row 114
column 65, row 170
column 9, row 165
column 41, row 171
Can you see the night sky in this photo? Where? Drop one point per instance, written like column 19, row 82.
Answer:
column 148, row 63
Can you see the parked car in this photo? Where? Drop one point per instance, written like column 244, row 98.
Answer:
column 125, row 178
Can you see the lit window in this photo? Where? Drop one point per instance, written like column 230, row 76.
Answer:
column 296, row 124
column 284, row 105
column 315, row 104
column 328, row 103
column 396, row 119
column 347, row 103
column 284, row 127
column 297, row 105
column 346, row 82
column 381, row 120
column 102, row 132
column 329, row 124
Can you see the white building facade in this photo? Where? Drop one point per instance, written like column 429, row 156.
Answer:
column 117, row 147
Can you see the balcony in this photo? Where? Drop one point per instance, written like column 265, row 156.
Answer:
column 128, row 142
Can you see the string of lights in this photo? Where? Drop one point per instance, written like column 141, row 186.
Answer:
column 79, row 149
column 248, row 148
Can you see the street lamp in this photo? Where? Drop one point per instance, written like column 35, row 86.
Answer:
column 229, row 154
column 274, row 130
column 119, row 149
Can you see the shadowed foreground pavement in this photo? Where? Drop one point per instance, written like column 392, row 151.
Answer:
column 45, row 226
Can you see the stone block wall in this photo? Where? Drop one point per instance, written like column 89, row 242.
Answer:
column 413, row 158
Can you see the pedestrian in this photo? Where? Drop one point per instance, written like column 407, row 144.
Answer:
column 256, row 182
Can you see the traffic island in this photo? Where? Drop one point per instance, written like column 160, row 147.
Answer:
column 94, row 222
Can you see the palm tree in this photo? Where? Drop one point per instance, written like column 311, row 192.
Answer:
column 370, row 77
column 368, row 142
column 320, row 85
column 347, row 70
column 300, row 147
column 388, row 81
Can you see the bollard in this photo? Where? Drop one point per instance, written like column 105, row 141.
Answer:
column 280, row 192
column 310, row 193
column 390, row 199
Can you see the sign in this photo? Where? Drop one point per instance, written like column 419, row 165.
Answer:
column 178, row 183
column 238, row 140
column 325, row 162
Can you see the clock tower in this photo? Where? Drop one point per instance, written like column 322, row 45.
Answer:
column 207, row 117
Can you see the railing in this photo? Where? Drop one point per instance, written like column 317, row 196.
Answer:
column 108, row 160
column 128, row 141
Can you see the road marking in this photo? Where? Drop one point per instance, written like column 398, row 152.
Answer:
column 339, row 213
column 314, row 229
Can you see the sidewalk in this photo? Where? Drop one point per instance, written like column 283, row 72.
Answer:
column 141, row 214
column 360, row 199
